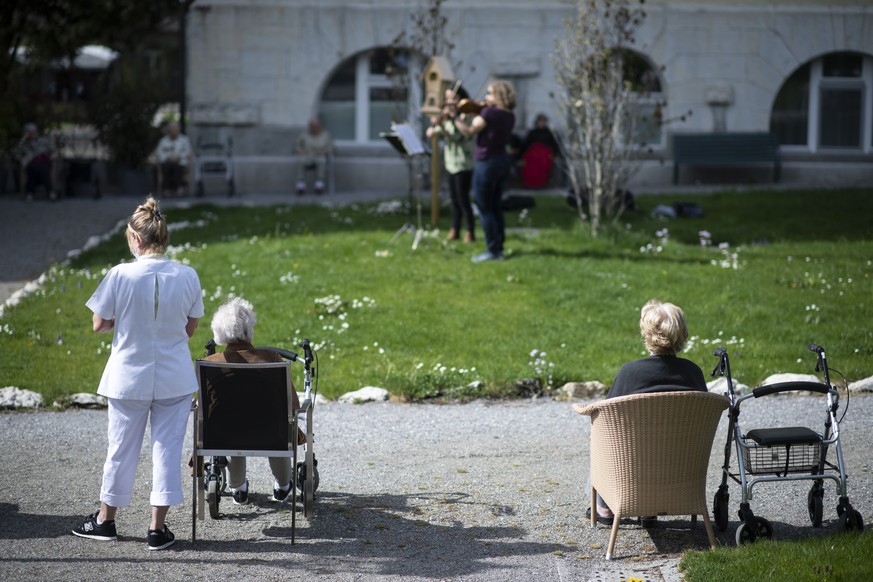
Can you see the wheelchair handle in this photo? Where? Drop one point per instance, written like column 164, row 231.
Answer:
column 282, row 352
column 307, row 350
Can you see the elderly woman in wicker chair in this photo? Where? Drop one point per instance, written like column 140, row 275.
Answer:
column 664, row 332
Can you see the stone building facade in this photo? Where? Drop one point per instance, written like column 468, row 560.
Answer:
column 259, row 69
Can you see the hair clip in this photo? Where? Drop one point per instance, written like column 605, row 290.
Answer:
column 157, row 214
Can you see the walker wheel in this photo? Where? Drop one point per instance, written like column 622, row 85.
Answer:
column 851, row 520
column 746, row 536
column 213, row 497
column 814, row 504
column 720, row 510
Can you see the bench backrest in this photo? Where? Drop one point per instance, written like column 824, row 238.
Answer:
column 725, row 147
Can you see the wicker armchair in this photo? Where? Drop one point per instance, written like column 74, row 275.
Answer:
column 650, row 454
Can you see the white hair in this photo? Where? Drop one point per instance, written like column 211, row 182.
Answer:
column 233, row 322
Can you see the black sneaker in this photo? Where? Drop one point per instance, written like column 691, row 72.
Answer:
column 280, row 494
column 160, row 538
column 241, row 496
column 105, row 532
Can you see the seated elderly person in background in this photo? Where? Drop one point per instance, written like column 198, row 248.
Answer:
column 174, row 153
column 37, row 156
column 313, row 146
column 664, row 332
column 233, row 326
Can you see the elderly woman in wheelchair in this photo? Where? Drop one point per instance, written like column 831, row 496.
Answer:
column 233, row 327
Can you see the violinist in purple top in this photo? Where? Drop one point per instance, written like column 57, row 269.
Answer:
column 491, row 163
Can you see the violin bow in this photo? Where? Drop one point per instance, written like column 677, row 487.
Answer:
column 455, row 88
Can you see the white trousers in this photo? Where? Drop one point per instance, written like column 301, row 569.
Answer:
column 168, row 419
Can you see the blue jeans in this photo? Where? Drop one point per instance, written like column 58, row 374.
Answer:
column 489, row 177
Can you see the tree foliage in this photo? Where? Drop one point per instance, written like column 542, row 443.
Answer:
column 40, row 35
column 598, row 103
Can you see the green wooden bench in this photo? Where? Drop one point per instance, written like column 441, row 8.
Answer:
column 725, row 149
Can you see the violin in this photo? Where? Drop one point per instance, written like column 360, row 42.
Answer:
column 469, row 106
column 450, row 106
column 449, row 111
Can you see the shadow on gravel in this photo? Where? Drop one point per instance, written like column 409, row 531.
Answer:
column 432, row 535
column 29, row 526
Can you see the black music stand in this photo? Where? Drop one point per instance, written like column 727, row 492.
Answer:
column 407, row 144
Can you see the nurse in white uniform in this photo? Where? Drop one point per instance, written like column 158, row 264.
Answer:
column 153, row 305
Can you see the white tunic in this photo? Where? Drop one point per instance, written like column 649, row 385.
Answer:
column 150, row 300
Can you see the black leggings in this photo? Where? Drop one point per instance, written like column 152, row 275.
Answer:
column 459, row 189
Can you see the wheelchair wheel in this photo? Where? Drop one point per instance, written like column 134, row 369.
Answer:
column 308, row 500
column 720, row 509
column 814, row 504
column 745, row 536
column 213, row 497
column 307, row 484
column 302, row 475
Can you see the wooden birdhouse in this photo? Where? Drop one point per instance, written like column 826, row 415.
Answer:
column 437, row 76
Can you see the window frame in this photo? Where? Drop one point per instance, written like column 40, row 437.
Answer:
column 817, row 83
column 365, row 82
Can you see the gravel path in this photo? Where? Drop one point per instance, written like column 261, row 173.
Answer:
column 481, row 491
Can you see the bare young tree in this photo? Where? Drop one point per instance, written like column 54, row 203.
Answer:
column 428, row 36
column 598, row 103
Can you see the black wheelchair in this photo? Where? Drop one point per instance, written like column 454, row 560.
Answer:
column 245, row 410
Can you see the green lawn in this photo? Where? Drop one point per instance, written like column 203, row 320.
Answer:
column 834, row 557
column 430, row 322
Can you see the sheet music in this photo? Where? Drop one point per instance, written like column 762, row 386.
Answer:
column 410, row 141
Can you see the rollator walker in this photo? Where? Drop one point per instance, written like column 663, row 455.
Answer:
column 214, row 159
column 767, row 455
column 244, row 410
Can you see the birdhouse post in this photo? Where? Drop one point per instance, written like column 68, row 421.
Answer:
column 437, row 76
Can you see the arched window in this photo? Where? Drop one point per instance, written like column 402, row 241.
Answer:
column 646, row 83
column 827, row 104
column 368, row 92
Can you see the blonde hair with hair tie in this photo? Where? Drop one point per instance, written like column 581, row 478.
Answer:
column 149, row 225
